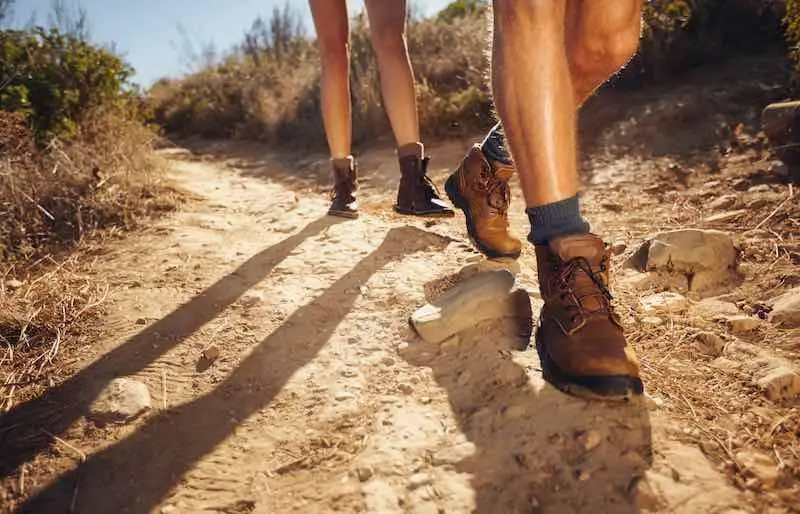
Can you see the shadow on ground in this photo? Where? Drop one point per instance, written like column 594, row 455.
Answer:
column 537, row 450
column 136, row 474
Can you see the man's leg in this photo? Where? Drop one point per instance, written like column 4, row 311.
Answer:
column 599, row 39
column 580, row 339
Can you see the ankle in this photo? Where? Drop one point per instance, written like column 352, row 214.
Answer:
column 414, row 149
column 562, row 218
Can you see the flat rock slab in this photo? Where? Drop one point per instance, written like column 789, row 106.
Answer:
column 662, row 303
column 480, row 298
column 122, row 400
column 713, row 308
column 786, row 309
column 703, row 261
column 780, row 384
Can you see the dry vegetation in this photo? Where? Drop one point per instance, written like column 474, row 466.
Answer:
column 267, row 88
column 75, row 157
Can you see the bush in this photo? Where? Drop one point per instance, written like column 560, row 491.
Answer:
column 56, row 79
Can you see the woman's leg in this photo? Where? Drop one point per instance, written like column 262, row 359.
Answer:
column 387, row 20
column 331, row 23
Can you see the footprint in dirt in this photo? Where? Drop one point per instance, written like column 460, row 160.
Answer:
column 536, row 449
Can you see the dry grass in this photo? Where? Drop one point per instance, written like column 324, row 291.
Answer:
column 53, row 202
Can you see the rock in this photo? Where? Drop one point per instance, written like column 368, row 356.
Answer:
column 664, row 303
column 342, row 396
column 643, row 495
column 723, row 202
column 252, row 299
column 612, row 206
column 725, row 216
column 453, row 454
column 122, row 400
column 710, row 344
column 741, row 323
column 402, row 347
column 349, row 373
column 364, row 473
column 713, row 308
column 761, row 188
column 780, row 383
column 618, row 248
column 418, row 480
column 757, row 203
column 483, row 297
column 211, row 353
column 786, row 309
column 591, row 440
column 14, row 284
column 701, row 260
column 781, row 124
column 653, row 402
column 653, row 321
column 405, row 388
column 760, row 466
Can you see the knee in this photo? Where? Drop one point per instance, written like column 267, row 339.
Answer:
column 334, row 50
column 602, row 51
column 388, row 40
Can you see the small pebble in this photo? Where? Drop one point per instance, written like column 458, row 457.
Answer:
column 419, row 480
column 364, row 473
column 405, row 388
column 343, row 396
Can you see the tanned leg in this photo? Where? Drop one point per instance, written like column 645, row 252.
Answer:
column 331, row 23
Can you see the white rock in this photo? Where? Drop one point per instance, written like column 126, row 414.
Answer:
column 122, row 400
column 483, row 297
column 14, row 284
column 781, row 383
column 723, row 202
column 786, row 309
column 665, row 302
column 741, row 323
column 342, row 396
column 705, row 259
column 418, row 480
column 453, row 454
column 713, row 308
column 653, row 321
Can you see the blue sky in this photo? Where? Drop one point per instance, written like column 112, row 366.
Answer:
column 147, row 32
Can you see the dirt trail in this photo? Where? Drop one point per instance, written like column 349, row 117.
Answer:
column 323, row 400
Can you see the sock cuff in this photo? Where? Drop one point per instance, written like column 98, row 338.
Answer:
column 562, row 218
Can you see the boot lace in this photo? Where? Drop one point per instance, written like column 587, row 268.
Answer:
column 566, row 282
column 499, row 194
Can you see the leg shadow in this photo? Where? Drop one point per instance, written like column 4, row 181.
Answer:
column 536, row 449
column 21, row 434
column 137, row 473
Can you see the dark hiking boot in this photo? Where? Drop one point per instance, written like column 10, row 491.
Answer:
column 479, row 187
column 345, row 184
column 580, row 339
column 417, row 196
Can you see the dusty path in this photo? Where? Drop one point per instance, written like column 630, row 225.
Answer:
column 323, row 400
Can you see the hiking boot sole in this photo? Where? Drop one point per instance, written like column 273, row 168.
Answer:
column 451, row 188
column 434, row 213
column 343, row 214
column 609, row 388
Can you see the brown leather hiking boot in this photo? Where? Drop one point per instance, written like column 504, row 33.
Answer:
column 417, row 196
column 479, row 187
column 345, row 184
column 580, row 339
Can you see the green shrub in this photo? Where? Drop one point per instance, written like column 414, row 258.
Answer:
column 56, row 79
